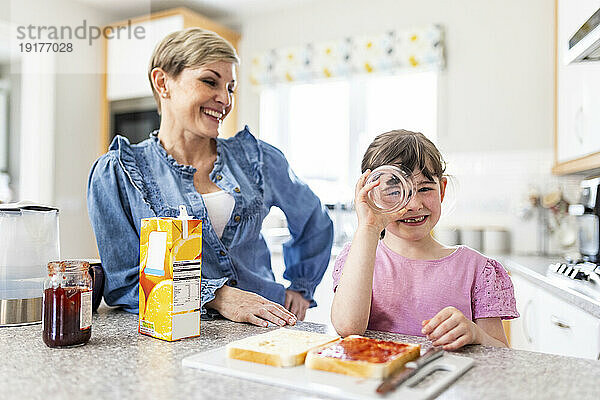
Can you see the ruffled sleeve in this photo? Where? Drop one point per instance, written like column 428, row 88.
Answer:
column 493, row 293
column 111, row 218
column 338, row 267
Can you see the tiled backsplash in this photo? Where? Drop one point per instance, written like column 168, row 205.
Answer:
column 494, row 189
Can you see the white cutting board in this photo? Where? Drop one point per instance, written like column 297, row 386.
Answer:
column 329, row 383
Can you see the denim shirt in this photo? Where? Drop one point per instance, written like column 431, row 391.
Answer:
column 132, row 182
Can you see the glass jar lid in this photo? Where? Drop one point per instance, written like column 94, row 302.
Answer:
column 68, row 266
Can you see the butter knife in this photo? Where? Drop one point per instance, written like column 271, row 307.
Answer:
column 411, row 368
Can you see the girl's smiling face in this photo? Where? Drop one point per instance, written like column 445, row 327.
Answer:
column 200, row 98
column 423, row 211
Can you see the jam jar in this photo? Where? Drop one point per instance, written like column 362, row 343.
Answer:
column 67, row 306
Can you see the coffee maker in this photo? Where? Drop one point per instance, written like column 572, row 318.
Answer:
column 588, row 219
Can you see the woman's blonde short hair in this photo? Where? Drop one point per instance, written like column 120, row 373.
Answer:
column 192, row 47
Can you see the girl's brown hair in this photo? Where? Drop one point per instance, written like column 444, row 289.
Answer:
column 411, row 150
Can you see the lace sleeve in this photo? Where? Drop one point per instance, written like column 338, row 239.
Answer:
column 493, row 294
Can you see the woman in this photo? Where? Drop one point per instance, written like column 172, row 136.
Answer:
column 228, row 183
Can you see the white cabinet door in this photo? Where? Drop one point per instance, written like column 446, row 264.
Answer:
column 524, row 330
column 127, row 59
column 566, row 330
column 578, row 86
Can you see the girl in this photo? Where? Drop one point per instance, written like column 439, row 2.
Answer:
column 407, row 282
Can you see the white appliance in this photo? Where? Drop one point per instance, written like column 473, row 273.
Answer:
column 584, row 45
column 28, row 241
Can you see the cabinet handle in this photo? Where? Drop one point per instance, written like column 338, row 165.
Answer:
column 559, row 323
column 525, row 330
column 578, row 128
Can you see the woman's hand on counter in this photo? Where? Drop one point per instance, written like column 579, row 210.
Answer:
column 296, row 303
column 242, row 306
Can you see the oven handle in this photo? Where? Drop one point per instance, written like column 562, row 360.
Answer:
column 561, row 324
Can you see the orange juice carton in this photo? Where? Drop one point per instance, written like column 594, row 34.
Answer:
column 170, row 267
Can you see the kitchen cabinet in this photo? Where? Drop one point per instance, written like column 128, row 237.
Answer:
column 126, row 59
column 551, row 325
column 566, row 330
column 577, row 124
column 523, row 330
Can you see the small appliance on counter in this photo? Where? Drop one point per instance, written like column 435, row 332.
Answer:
column 588, row 219
column 584, row 273
column 29, row 239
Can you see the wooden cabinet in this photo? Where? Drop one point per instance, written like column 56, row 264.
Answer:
column 551, row 325
column 126, row 60
column 577, row 124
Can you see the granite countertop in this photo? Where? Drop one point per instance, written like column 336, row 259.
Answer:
column 584, row 295
column 118, row 363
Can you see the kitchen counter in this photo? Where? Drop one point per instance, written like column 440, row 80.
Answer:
column 120, row 363
column 533, row 268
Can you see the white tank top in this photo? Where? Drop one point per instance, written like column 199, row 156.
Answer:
column 219, row 206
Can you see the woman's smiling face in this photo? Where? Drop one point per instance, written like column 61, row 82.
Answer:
column 423, row 211
column 200, row 98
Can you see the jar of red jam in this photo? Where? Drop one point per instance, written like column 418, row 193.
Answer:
column 67, row 307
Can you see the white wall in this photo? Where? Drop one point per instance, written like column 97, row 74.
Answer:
column 497, row 90
column 496, row 94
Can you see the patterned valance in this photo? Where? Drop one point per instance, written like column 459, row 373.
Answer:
column 390, row 52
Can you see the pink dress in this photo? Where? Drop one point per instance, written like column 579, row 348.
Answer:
column 406, row 292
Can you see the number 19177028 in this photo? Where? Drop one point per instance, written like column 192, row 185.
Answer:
column 45, row 47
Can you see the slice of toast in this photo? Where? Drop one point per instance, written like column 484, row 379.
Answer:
column 280, row 348
column 360, row 356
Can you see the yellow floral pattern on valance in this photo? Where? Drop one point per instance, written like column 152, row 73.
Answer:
column 391, row 52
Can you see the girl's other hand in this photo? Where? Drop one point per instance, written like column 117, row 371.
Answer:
column 451, row 329
column 242, row 306
column 367, row 217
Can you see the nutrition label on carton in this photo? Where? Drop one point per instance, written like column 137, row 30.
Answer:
column 186, row 285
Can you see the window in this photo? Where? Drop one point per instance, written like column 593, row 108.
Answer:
column 324, row 128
